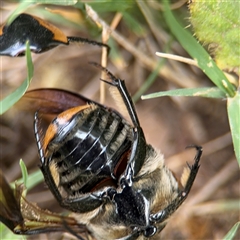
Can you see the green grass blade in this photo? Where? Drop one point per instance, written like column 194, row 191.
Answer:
column 22, row 6
column 33, row 179
column 11, row 99
column 110, row 5
column 62, row 2
column 210, row 92
column 233, row 107
column 133, row 24
column 231, row 234
column 6, row 234
column 198, row 53
column 24, row 172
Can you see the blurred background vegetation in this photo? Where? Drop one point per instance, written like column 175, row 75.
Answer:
column 169, row 123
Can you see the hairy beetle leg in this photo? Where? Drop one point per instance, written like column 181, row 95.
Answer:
column 138, row 152
column 171, row 208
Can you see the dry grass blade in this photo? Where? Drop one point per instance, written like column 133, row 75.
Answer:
column 147, row 61
column 177, row 58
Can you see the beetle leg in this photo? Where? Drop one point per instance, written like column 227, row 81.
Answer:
column 138, row 152
column 171, row 208
column 120, row 85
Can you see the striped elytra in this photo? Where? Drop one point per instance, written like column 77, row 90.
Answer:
column 87, row 149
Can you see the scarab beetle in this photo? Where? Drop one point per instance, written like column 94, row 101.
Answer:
column 41, row 35
column 99, row 166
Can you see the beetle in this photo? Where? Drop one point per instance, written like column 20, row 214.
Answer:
column 99, row 166
column 41, row 35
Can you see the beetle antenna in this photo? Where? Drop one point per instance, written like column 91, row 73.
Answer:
column 37, row 137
